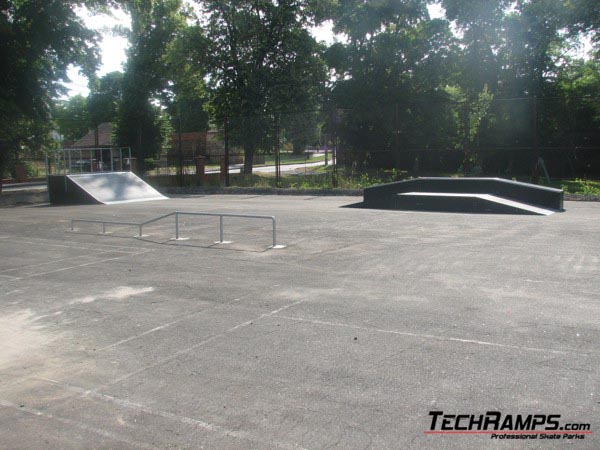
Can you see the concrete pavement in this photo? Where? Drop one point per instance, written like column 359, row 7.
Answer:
column 347, row 338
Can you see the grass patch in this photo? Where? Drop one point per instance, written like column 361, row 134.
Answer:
column 319, row 177
column 577, row 186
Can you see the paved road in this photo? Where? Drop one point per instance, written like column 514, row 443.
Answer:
column 236, row 168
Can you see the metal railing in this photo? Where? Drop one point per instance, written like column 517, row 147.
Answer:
column 88, row 160
column 184, row 213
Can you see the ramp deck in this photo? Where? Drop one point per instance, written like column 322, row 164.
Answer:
column 109, row 188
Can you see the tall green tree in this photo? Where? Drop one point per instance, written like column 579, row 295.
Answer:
column 140, row 123
column 105, row 96
column 72, row 117
column 185, row 96
column 391, row 76
column 262, row 62
column 480, row 24
column 39, row 39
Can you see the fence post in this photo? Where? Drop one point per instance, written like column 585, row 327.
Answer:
column 535, row 176
column 466, row 142
column 334, row 119
column 226, row 162
column 179, row 150
column 277, row 154
column 397, row 138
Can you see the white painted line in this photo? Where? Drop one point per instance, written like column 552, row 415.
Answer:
column 74, row 423
column 200, row 344
column 207, row 426
column 74, row 267
column 52, row 243
column 15, row 291
column 55, row 261
column 9, row 276
column 429, row 336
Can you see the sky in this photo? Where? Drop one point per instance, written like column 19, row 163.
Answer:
column 113, row 48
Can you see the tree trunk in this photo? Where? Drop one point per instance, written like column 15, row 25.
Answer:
column 298, row 148
column 248, row 158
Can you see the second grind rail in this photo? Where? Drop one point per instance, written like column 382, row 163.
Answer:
column 221, row 216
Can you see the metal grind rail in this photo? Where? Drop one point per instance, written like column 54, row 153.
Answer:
column 183, row 213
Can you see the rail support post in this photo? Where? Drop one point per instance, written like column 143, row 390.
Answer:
column 221, row 233
column 275, row 246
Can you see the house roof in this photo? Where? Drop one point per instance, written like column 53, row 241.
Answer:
column 105, row 139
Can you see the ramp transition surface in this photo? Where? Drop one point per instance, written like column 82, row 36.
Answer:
column 466, row 195
column 113, row 188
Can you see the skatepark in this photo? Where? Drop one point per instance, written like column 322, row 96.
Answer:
column 348, row 337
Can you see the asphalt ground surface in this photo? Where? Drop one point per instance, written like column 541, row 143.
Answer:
column 347, row 338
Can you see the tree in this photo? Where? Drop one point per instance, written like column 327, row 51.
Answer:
column 185, row 96
column 72, row 117
column 105, row 96
column 584, row 17
column 481, row 25
column 38, row 41
column 391, row 76
column 140, row 123
column 262, row 61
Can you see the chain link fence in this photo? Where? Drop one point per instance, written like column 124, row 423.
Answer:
column 524, row 138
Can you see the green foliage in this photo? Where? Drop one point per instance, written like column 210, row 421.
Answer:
column 140, row 122
column 104, row 99
column 392, row 76
column 72, row 117
column 38, row 41
column 262, row 61
column 186, row 96
column 579, row 186
column 479, row 110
